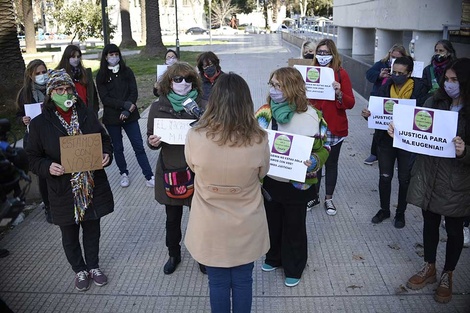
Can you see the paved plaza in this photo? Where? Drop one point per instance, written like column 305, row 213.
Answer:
column 353, row 265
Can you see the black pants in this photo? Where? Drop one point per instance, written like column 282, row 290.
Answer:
column 286, row 217
column 91, row 244
column 454, row 245
column 331, row 170
column 373, row 146
column 43, row 191
column 174, row 214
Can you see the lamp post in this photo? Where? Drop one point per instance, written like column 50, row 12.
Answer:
column 176, row 29
column 104, row 18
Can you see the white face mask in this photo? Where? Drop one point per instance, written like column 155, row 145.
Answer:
column 74, row 61
column 171, row 61
column 113, row 60
column 182, row 88
column 41, row 79
column 324, row 60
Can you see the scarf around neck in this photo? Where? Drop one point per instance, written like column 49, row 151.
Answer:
column 282, row 112
column 177, row 100
column 404, row 92
column 39, row 92
column 439, row 67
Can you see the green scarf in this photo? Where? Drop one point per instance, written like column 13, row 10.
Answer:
column 282, row 112
column 177, row 100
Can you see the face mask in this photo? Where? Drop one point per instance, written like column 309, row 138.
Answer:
column 308, row 56
column 41, row 79
column 452, row 89
column 210, row 71
column 324, row 60
column 182, row 88
column 171, row 61
column 440, row 57
column 113, row 60
column 63, row 101
column 399, row 79
column 276, row 95
column 74, row 61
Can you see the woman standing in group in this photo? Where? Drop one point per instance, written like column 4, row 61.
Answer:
column 170, row 58
column 378, row 75
column 290, row 109
column 33, row 91
column 441, row 186
column 444, row 53
column 227, row 228
column 208, row 65
column 334, row 112
column 82, row 77
column 179, row 83
column 400, row 86
column 79, row 199
column 118, row 92
column 308, row 49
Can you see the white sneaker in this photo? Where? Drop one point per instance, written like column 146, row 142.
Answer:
column 466, row 237
column 124, row 180
column 151, row 182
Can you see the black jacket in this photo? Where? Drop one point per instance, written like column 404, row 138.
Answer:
column 118, row 91
column 44, row 148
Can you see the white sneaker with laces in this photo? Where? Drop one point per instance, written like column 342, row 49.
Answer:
column 124, row 180
column 151, row 182
column 330, row 207
column 466, row 237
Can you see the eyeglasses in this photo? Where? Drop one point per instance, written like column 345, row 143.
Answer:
column 179, row 79
column 275, row 85
column 399, row 73
column 61, row 90
column 323, row 52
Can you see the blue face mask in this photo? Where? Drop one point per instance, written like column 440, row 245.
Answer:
column 452, row 89
column 276, row 95
column 113, row 60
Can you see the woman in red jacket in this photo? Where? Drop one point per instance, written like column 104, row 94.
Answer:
column 334, row 112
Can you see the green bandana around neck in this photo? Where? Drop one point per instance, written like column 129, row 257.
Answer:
column 177, row 100
column 282, row 112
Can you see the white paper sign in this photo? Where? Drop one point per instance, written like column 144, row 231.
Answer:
column 33, row 109
column 172, row 131
column 425, row 131
column 318, row 81
column 161, row 69
column 381, row 111
column 418, row 68
column 288, row 153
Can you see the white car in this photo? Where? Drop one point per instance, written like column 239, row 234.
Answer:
column 225, row 30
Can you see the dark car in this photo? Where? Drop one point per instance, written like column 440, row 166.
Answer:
column 196, row 31
column 250, row 29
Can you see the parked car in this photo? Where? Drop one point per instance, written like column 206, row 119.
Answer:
column 250, row 29
column 197, row 31
column 225, row 30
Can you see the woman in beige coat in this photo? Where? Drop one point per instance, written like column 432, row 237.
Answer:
column 227, row 229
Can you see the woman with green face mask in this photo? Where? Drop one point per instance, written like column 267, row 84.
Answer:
column 70, row 194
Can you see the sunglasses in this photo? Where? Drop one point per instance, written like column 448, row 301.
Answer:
column 179, row 79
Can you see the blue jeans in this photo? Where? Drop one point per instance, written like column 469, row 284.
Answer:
column 135, row 137
column 238, row 280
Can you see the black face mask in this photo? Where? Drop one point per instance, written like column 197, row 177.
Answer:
column 440, row 58
column 309, row 56
column 210, row 71
column 399, row 79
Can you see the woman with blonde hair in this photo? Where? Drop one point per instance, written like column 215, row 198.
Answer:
column 288, row 110
column 227, row 228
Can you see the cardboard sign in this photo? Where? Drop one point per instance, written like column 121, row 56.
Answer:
column 81, row 153
column 172, row 131
column 292, row 62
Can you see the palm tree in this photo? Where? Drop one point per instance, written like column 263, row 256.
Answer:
column 127, row 41
column 11, row 63
column 154, row 44
column 30, row 33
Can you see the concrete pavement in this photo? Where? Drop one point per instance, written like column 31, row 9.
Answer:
column 353, row 265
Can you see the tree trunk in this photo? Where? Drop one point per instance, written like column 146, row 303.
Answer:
column 154, row 46
column 143, row 32
column 127, row 41
column 11, row 61
column 29, row 31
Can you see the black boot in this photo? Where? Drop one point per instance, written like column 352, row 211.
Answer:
column 47, row 212
column 171, row 264
column 4, row 253
column 399, row 221
column 202, row 268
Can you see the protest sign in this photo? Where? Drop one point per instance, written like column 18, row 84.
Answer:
column 172, row 131
column 381, row 111
column 318, row 81
column 32, row 109
column 81, row 153
column 288, row 153
column 425, row 131
column 161, row 69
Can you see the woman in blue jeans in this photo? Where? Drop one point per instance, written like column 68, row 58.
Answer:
column 118, row 92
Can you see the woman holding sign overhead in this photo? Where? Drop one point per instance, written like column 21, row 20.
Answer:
column 77, row 199
column 400, row 86
column 441, row 186
column 334, row 112
column 180, row 83
column 288, row 110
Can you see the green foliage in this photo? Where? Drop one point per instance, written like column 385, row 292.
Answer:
column 246, row 6
column 80, row 19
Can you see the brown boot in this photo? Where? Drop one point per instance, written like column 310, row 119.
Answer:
column 444, row 290
column 427, row 275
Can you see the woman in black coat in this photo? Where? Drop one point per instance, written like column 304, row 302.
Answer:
column 78, row 199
